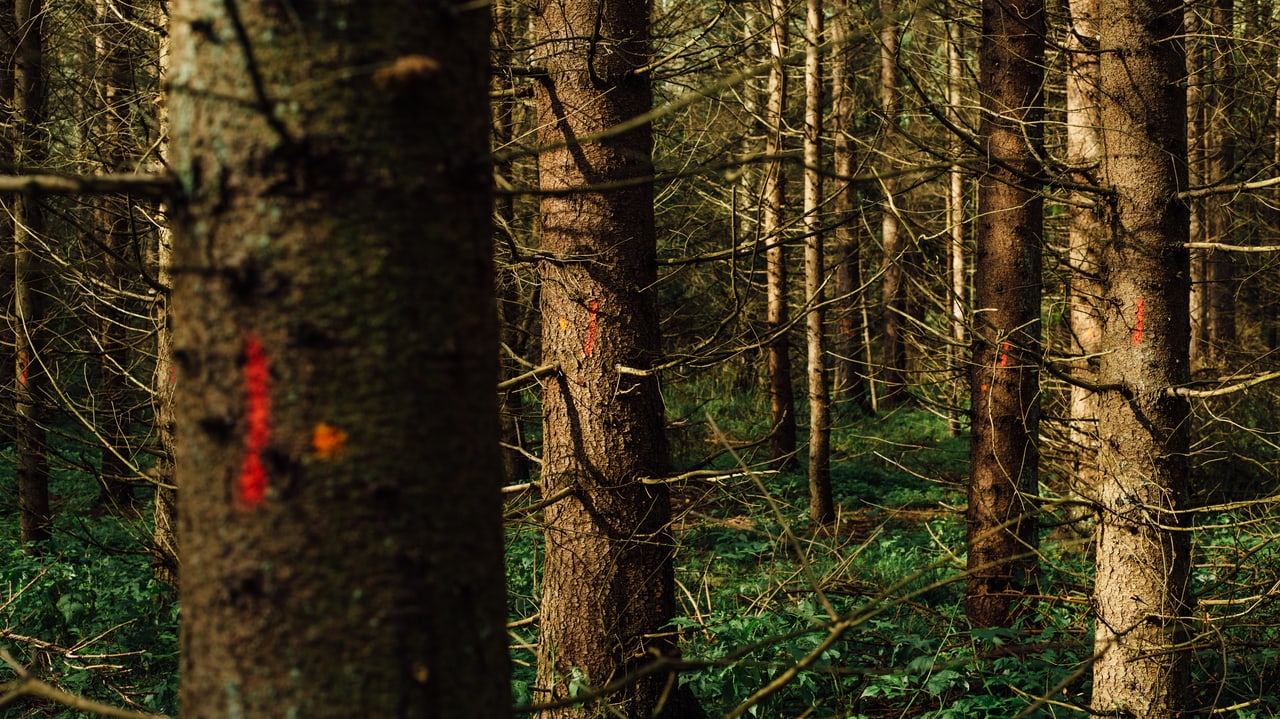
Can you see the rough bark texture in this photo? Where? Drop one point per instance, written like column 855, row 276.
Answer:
column 336, row 342
column 894, row 292
column 851, row 372
column 1086, row 235
column 1004, row 460
column 1141, row 596
column 608, row 584
column 781, row 392
column 821, row 505
column 29, row 283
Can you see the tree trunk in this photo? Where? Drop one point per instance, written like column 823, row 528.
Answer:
column 608, row 582
column 1005, row 391
column 165, row 511
column 894, row 290
column 781, row 391
column 821, row 505
column 1085, row 237
column 1141, row 595
column 113, row 400
column 955, row 225
column 336, row 338
column 1197, row 175
column 512, row 314
column 30, row 283
column 1219, row 270
column 852, row 374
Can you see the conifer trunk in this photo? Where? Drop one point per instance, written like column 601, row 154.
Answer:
column 1005, row 392
column 781, row 390
column 336, row 339
column 30, row 282
column 821, row 505
column 608, row 581
column 1143, row 557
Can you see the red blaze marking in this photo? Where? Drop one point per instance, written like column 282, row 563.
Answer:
column 25, row 362
column 590, row 343
column 252, row 487
column 1004, row 355
column 1138, row 322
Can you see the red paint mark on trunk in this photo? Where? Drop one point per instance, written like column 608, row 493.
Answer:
column 590, row 343
column 252, row 487
column 1138, row 321
column 23, row 362
column 1004, row 355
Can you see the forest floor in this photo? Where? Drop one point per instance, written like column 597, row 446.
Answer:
column 759, row 588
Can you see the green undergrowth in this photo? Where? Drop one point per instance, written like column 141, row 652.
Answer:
column 85, row 615
column 760, row 590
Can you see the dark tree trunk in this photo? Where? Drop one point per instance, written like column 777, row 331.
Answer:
column 1197, row 174
column 1219, row 270
column 113, row 396
column 30, row 282
column 851, row 371
column 1143, row 558
column 898, row 252
column 608, row 583
column 1002, row 526
column 336, row 340
column 512, row 313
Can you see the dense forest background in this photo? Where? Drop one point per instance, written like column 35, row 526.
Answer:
column 788, row 358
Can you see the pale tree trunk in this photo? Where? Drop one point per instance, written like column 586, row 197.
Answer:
column 955, row 226
column 895, row 245
column 1141, row 596
column 852, row 375
column 336, row 340
column 1005, row 391
column 1219, row 269
column 781, row 390
column 1085, row 236
column 165, row 512
column 163, row 381
column 30, row 283
column 608, row 581
column 821, row 505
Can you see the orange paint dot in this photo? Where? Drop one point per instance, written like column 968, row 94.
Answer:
column 328, row 441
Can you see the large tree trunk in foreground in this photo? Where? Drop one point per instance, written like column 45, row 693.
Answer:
column 608, row 583
column 1141, row 595
column 336, row 340
column 1004, row 461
